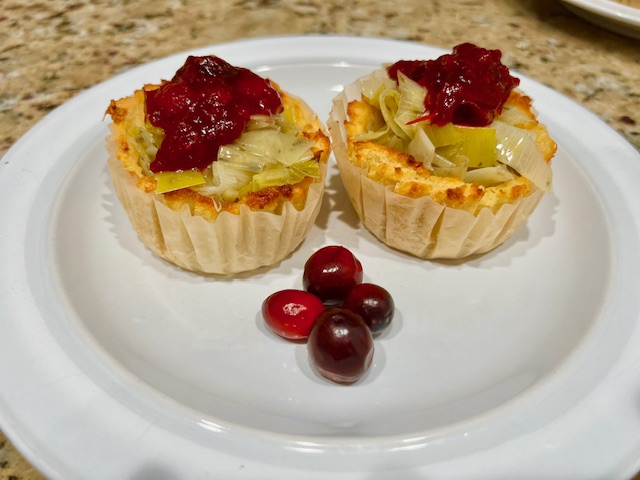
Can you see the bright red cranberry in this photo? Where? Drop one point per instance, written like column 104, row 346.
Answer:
column 373, row 303
column 340, row 345
column 292, row 313
column 331, row 272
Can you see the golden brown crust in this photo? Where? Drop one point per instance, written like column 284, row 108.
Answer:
column 407, row 177
column 128, row 112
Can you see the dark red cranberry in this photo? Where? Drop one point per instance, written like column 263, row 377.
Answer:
column 373, row 303
column 340, row 345
column 330, row 273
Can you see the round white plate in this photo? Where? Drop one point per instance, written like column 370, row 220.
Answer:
column 611, row 15
column 115, row 364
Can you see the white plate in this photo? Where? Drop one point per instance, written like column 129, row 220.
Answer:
column 115, row 364
column 611, row 15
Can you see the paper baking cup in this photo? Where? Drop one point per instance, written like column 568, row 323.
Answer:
column 420, row 226
column 230, row 244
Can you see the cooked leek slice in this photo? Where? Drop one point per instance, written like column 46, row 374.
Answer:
column 449, row 151
column 444, row 162
column 236, row 156
column 275, row 146
column 400, row 105
column 443, row 167
column 146, row 141
column 489, row 176
column 450, row 172
column 275, row 177
column 404, row 121
column 294, row 148
column 260, row 121
column 372, row 135
column 289, row 114
column 373, row 85
column 308, row 168
column 230, row 195
column 264, row 143
column 170, row 181
column 442, row 136
column 392, row 141
column 410, row 105
column 225, row 177
column 389, row 100
column 256, row 149
column 230, row 176
column 421, row 148
column 517, row 149
column 245, row 190
column 478, row 145
column 412, row 94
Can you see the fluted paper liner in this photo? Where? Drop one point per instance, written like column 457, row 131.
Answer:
column 420, row 226
column 229, row 244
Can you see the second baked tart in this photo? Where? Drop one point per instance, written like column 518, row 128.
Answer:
column 441, row 158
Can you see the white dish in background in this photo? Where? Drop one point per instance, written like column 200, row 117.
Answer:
column 115, row 364
column 613, row 16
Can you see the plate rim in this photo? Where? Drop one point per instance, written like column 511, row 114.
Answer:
column 617, row 12
column 88, row 93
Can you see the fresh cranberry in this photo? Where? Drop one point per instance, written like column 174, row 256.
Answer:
column 331, row 272
column 373, row 303
column 340, row 345
column 291, row 313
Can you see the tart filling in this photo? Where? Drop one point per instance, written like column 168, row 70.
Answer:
column 267, row 151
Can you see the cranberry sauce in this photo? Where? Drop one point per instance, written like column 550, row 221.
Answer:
column 467, row 87
column 205, row 105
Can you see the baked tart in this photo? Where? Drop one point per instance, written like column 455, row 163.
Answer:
column 219, row 170
column 441, row 158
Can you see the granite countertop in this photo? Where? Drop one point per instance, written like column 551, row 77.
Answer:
column 51, row 51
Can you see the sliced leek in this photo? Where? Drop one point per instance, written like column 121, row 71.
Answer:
column 478, row 145
column 372, row 135
column 517, row 149
column 236, row 156
column 456, row 167
column 146, row 141
column 421, row 148
column 410, row 104
column 489, row 177
column 170, row 181
column 225, row 180
column 308, row 168
column 389, row 101
column 442, row 136
column 275, row 177
column 260, row 121
column 373, row 85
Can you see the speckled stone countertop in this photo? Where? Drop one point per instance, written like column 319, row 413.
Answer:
column 51, row 51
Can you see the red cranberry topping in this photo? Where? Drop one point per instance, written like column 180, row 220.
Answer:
column 467, row 87
column 205, row 105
